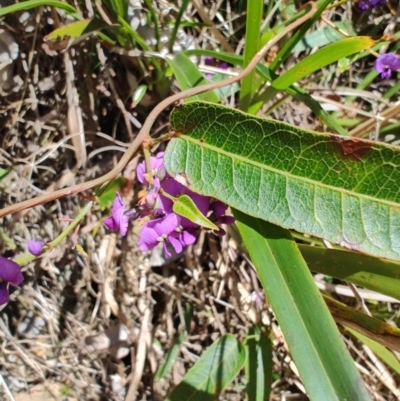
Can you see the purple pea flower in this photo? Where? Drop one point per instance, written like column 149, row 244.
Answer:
column 35, row 247
column 386, row 64
column 157, row 165
column 120, row 217
column 367, row 4
column 161, row 230
column 165, row 225
column 10, row 273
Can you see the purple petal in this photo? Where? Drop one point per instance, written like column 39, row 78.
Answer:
column 176, row 244
column 35, row 247
column 223, row 66
column 3, row 293
column 188, row 237
column 219, row 208
column 166, row 251
column 156, row 231
column 110, row 223
column 157, row 165
column 117, row 204
column 228, row 220
column 10, row 272
column 123, row 225
column 367, row 4
column 386, row 64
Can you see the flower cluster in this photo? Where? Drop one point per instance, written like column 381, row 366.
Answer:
column 367, row 4
column 10, row 273
column 386, row 64
column 155, row 210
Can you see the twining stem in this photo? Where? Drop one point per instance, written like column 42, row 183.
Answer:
column 23, row 259
column 143, row 133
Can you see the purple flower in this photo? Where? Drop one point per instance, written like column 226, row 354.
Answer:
column 367, row 4
column 10, row 273
column 35, row 247
column 176, row 189
column 161, row 230
column 120, row 217
column 386, row 63
column 157, row 165
column 165, row 225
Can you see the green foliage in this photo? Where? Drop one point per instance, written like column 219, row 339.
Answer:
column 258, row 364
column 188, row 76
column 313, row 338
column 214, row 370
column 324, row 185
column 184, row 206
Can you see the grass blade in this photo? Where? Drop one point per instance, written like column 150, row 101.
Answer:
column 312, row 336
column 210, row 375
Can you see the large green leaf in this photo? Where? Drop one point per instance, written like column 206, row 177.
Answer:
column 343, row 190
column 313, row 339
column 210, row 375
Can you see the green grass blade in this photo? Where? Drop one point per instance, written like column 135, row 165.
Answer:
column 170, row 359
column 297, row 36
column 269, row 75
column 253, row 24
column 339, row 189
column 312, row 336
column 258, row 367
column 382, row 352
column 189, row 76
column 28, row 5
column 371, row 327
column 212, row 373
column 178, row 20
column 375, row 274
column 323, row 57
column 74, row 32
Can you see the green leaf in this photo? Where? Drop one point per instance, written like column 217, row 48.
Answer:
column 212, row 373
column 138, row 94
column 28, row 5
column 189, row 76
column 170, row 359
column 310, row 332
column 173, row 353
column 375, row 274
column 107, row 196
column 270, row 75
column 254, row 14
column 3, row 173
column 68, row 35
column 184, row 206
column 323, row 57
column 382, row 352
column 340, row 189
column 299, row 34
column 375, row 329
column 258, row 364
column 322, row 37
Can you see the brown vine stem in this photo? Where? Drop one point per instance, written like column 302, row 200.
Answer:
column 143, row 133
